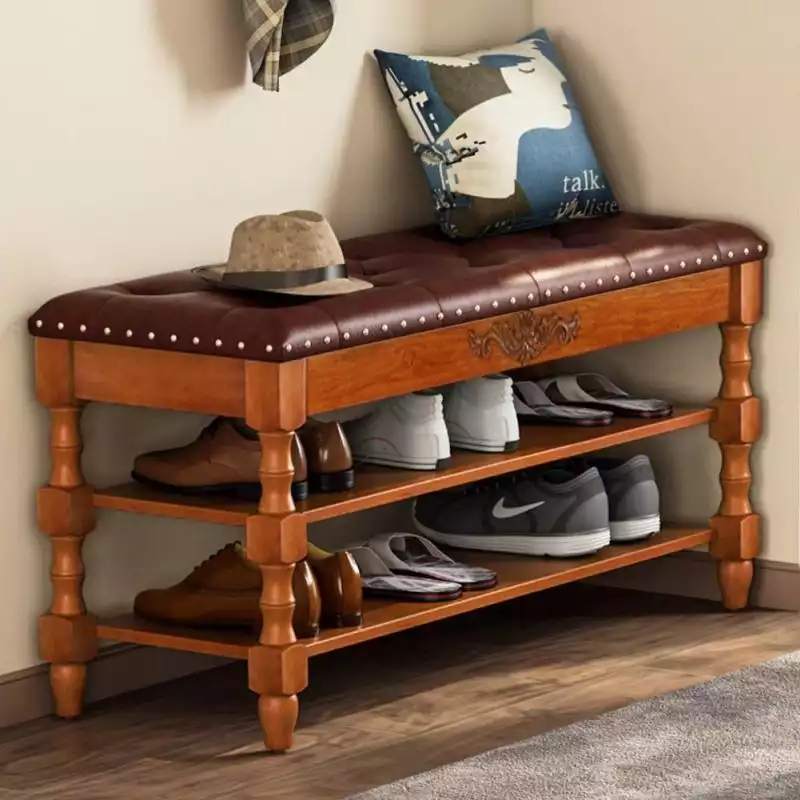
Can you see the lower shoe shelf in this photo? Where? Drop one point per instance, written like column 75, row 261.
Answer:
column 518, row 575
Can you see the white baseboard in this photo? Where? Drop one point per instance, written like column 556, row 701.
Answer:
column 694, row 574
column 125, row 668
column 119, row 669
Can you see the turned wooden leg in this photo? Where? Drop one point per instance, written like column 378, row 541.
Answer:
column 67, row 638
column 276, row 541
column 736, row 426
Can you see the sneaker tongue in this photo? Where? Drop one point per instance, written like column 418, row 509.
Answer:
column 524, row 491
column 558, row 475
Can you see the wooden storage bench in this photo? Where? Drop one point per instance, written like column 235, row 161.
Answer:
column 440, row 312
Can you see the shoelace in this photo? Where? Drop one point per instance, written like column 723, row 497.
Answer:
column 506, row 481
column 493, row 484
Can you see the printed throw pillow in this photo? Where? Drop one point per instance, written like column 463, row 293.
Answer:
column 500, row 137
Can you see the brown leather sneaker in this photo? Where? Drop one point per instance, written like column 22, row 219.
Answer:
column 339, row 584
column 224, row 591
column 330, row 460
column 224, row 459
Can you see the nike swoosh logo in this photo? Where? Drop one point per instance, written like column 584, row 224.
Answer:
column 502, row 511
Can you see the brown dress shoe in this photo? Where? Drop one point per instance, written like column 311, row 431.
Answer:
column 225, row 591
column 339, row 584
column 330, row 460
column 224, row 459
column 308, row 602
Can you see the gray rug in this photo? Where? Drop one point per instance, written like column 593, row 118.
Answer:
column 735, row 738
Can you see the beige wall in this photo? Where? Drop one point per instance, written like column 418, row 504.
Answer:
column 131, row 143
column 695, row 106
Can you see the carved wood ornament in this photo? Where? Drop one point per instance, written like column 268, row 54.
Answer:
column 525, row 336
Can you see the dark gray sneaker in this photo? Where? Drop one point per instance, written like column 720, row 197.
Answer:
column 633, row 500
column 541, row 513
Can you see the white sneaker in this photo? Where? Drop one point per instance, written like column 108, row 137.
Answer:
column 406, row 432
column 480, row 415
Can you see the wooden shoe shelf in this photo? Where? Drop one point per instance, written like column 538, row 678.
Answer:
column 379, row 486
column 276, row 399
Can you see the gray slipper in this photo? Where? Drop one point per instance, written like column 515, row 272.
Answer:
column 412, row 554
column 378, row 580
column 533, row 405
column 592, row 390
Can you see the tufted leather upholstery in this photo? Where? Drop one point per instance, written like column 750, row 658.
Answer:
column 422, row 281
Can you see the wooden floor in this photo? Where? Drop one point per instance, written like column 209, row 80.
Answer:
column 391, row 708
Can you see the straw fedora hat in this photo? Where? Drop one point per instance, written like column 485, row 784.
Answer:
column 294, row 253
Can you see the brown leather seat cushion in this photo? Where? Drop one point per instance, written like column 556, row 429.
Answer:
column 421, row 281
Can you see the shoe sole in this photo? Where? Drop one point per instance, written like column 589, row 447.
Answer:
column 332, row 481
column 570, row 422
column 412, row 597
column 632, row 530
column 400, row 463
column 477, row 586
column 567, row 545
column 342, row 620
column 621, row 411
column 310, row 631
column 241, row 491
column 485, row 447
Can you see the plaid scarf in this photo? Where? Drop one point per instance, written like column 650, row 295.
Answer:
column 282, row 34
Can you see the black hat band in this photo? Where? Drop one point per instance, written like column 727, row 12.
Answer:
column 272, row 281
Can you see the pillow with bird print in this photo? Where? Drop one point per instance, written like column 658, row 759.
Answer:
column 500, row 138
